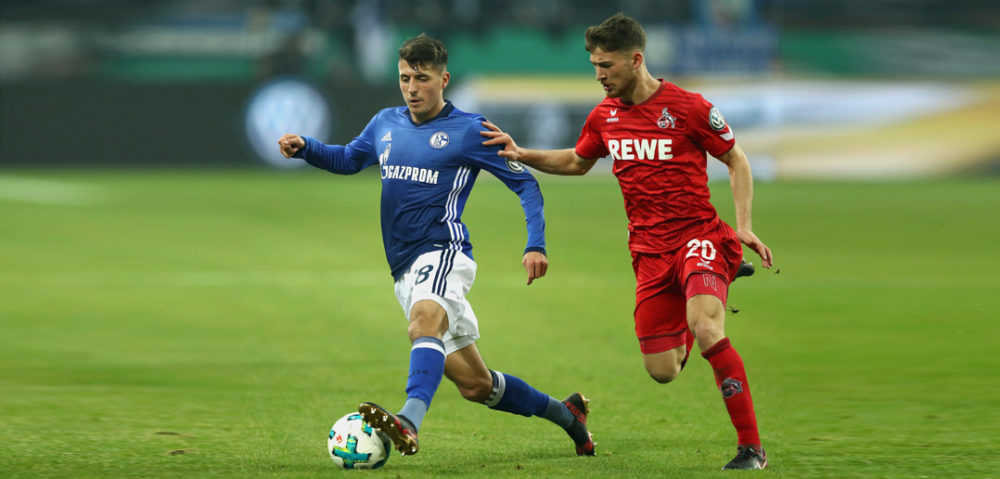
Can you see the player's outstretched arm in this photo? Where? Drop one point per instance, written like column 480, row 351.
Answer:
column 741, row 181
column 340, row 159
column 290, row 144
column 558, row 162
column 536, row 264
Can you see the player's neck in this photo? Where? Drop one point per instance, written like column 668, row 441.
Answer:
column 644, row 88
column 430, row 114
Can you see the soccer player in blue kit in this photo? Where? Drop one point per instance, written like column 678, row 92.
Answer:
column 430, row 153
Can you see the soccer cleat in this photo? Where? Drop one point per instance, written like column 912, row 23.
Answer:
column 580, row 407
column 749, row 457
column 398, row 428
column 746, row 269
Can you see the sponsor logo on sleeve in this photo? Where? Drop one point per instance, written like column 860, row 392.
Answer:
column 515, row 166
column 715, row 119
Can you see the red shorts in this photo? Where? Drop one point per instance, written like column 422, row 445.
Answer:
column 665, row 281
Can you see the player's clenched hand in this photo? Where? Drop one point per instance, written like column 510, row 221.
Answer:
column 290, row 144
column 750, row 239
column 496, row 137
column 536, row 264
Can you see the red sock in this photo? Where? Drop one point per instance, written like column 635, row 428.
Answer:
column 731, row 378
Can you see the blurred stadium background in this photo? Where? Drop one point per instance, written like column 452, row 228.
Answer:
column 820, row 88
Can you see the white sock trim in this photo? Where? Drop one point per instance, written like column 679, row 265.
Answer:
column 429, row 345
column 499, row 386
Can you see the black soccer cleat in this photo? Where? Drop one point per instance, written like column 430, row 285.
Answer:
column 399, row 429
column 746, row 269
column 580, row 407
column 749, row 457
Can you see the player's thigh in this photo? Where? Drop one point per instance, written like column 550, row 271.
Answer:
column 708, row 262
column 468, row 371
column 706, row 316
column 427, row 318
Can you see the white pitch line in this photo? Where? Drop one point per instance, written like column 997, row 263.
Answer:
column 50, row 192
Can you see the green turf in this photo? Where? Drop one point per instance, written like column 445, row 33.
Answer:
column 216, row 323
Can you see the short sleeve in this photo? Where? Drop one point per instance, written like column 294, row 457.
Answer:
column 709, row 128
column 590, row 145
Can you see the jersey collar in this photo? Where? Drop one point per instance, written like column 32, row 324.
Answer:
column 663, row 86
column 448, row 107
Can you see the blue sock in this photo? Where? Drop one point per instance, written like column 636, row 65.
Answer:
column 558, row 413
column 426, row 370
column 414, row 410
column 513, row 395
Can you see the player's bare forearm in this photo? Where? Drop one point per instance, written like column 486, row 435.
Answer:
column 556, row 162
column 741, row 181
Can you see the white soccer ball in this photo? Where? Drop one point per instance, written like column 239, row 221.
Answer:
column 353, row 444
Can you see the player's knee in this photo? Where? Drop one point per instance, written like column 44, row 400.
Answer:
column 706, row 318
column 475, row 389
column 665, row 366
column 663, row 373
column 664, row 377
column 708, row 333
column 419, row 329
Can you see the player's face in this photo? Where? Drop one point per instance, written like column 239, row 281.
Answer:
column 423, row 89
column 615, row 70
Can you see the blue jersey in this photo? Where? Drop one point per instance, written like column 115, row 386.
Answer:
column 428, row 170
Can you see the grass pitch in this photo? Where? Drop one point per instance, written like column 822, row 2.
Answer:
column 216, row 323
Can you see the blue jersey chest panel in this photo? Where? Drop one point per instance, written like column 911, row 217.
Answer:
column 423, row 155
column 427, row 172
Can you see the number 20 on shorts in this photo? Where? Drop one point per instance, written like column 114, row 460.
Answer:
column 703, row 248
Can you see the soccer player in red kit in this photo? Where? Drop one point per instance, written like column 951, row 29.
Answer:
column 683, row 254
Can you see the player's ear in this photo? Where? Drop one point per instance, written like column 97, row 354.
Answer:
column 636, row 60
column 444, row 79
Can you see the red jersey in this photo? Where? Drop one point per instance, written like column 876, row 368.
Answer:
column 659, row 147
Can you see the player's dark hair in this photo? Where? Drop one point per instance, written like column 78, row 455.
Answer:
column 618, row 33
column 424, row 51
